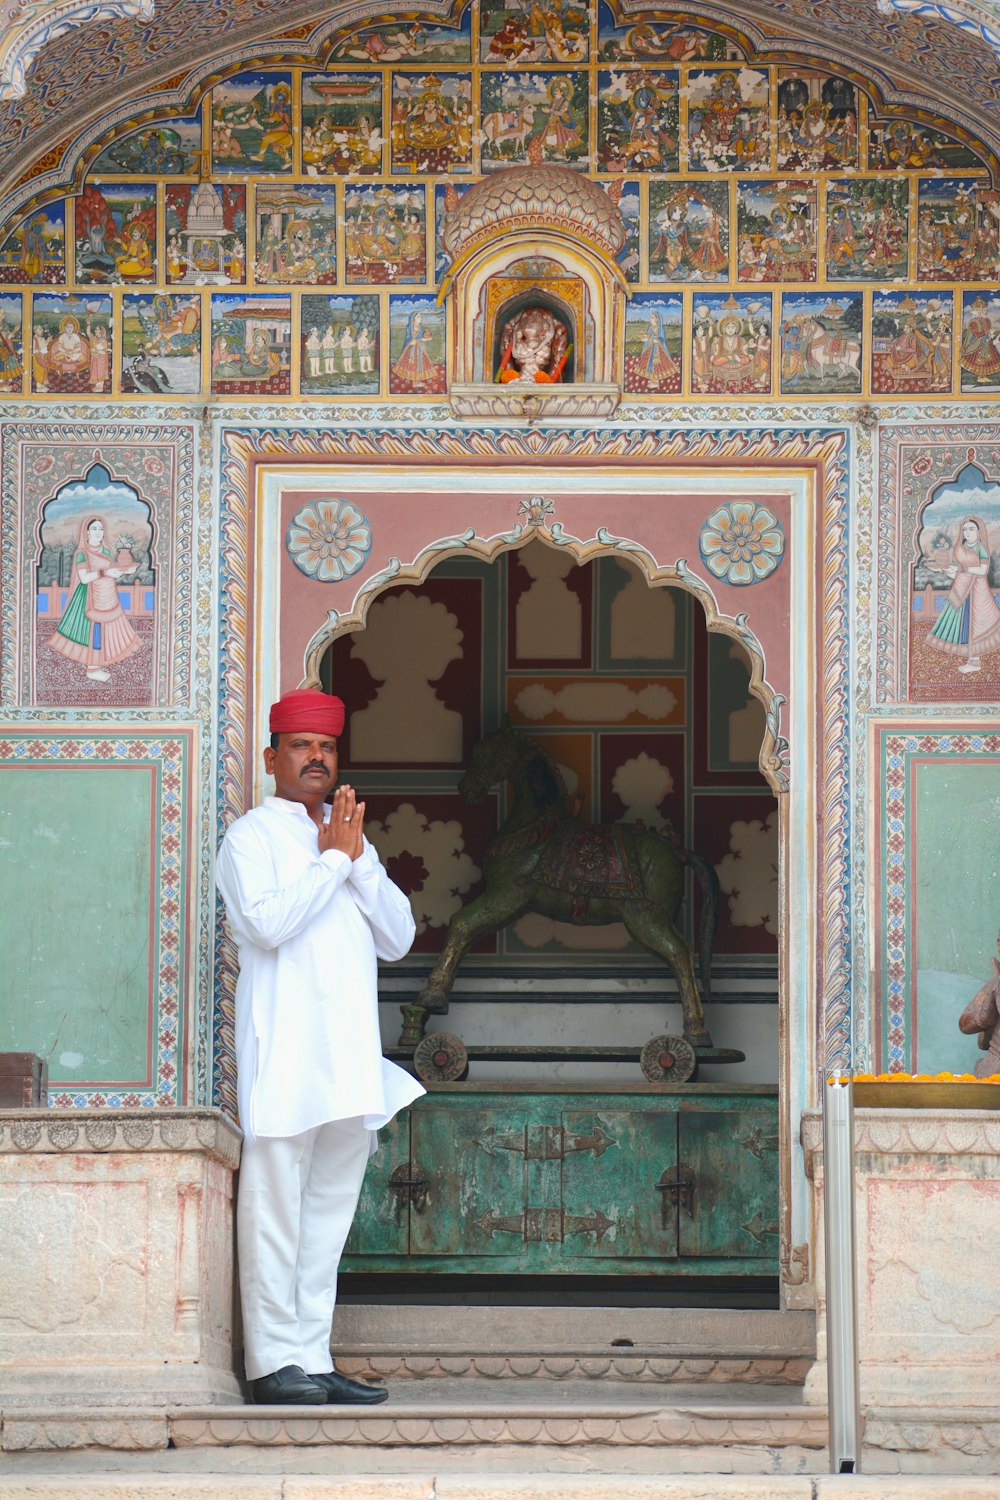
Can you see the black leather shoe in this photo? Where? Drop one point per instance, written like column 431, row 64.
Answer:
column 340, row 1391
column 289, row 1386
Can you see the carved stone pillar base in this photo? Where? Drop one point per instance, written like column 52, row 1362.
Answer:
column 928, row 1212
column 116, row 1257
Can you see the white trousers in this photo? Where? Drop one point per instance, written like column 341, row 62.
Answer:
column 297, row 1198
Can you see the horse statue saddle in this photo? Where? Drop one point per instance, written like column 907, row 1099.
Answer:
column 594, row 862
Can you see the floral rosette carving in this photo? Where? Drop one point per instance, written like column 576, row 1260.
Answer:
column 329, row 539
column 741, row 542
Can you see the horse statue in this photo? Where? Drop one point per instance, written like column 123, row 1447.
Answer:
column 543, row 860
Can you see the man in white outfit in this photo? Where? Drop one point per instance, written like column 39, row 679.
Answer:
column 312, row 911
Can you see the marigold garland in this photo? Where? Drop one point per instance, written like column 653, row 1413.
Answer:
column 913, row 1078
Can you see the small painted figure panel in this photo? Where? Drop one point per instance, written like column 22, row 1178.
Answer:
column 340, row 352
column 902, row 146
column 867, row 230
column 688, row 231
column 911, row 342
column 626, row 196
column 817, row 121
column 35, row 253
column 11, row 346
column 96, row 590
column 534, row 117
column 416, row 347
column 71, row 345
column 168, row 147
column 251, row 345
column 446, row 196
column 777, row 230
column 252, row 123
column 820, row 343
column 206, row 231
column 731, row 344
column 296, row 234
column 116, row 234
column 728, row 120
column 385, row 234
column 540, row 31
column 955, row 615
column 653, row 344
column 431, row 122
column 637, row 121
column 958, row 230
column 161, row 344
column 406, row 41
column 655, row 41
column 979, row 349
column 342, row 124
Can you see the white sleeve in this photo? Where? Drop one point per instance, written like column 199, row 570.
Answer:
column 260, row 906
column 385, row 907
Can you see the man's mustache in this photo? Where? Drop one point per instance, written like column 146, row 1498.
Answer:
column 314, row 765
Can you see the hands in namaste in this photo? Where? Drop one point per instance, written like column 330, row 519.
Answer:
column 346, row 824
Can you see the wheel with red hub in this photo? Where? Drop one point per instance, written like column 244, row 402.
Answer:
column 441, row 1058
column 668, row 1059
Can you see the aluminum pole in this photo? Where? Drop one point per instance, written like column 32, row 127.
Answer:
column 844, row 1399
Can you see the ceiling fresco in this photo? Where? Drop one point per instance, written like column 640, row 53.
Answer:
column 915, row 53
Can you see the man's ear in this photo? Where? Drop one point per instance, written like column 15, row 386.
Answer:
column 269, row 760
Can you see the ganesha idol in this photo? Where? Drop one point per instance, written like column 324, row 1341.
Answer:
column 534, row 348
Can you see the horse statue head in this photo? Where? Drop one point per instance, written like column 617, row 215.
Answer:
column 506, row 754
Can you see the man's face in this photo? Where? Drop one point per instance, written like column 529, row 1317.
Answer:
column 304, row 765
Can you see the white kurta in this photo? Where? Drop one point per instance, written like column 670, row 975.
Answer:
column 310, row 928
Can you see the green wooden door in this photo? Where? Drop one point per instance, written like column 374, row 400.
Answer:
column 613, row 1160
column 382, row 1222
column 731, row 1155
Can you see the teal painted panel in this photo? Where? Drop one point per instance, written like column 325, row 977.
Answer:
column 613, row 1164
column 955, row 902
column 75, row 926
column 382, row 1221
column 732, row 1156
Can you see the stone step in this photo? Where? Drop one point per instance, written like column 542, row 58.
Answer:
column 601, row 1426
column 646, row 1344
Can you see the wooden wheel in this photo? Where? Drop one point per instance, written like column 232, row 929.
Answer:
column 668, row 1059
column 441, row 1058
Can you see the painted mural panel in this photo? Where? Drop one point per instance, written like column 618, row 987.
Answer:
column 251, row 345
column 116, row 234
column 296, row 242
column 252, row 123
column 71, row 344
column 417, row 347
column 955, row 592
column 446, row 197
column 549, row 609
column 820, row 343
column 11, row 345
column 340, row 346
column 109, row 1017
column 34, row 254
column 161, row 344
column 867, row 229
column 638, row 121
column 958, row 230
column 654, row 342
column 912, row 342
column 432, row 122
column 342, row 124
column 627, row 197
column 903, row 145
column 777, row 230
column 206, row 232
column 646, row 41
column 817, row 121
column 979, row 349
column 169, row 147
column 558, row 32
column 728, row 127
column 731, row 343
column 543, row 114
column 688, row 231
column 385, row 234
column 96, row 595
column 406, row 41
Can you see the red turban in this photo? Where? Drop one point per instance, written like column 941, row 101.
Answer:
column 307, row 709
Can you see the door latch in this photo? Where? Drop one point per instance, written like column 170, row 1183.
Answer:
column 409, row 1184
column 676, row 1186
